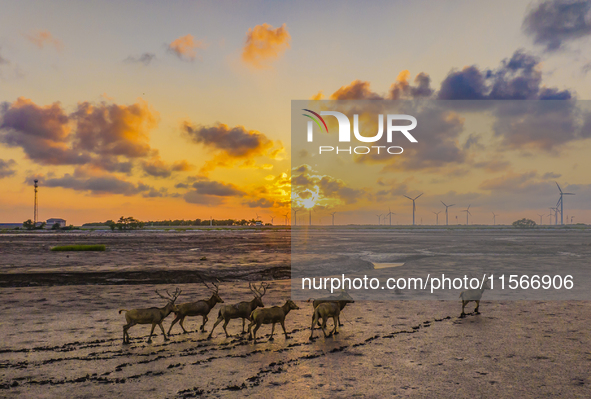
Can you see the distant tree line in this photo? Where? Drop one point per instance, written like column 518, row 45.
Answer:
column 130, row 223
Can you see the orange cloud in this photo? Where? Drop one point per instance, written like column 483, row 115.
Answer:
column 234, row 146
column 357, row 90
column 158, row 168
column 186, row 47
column 44, row 38
column 265, row 44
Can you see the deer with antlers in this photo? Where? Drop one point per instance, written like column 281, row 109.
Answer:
column 273, row 315
column 199, row 308
column 153, row 316
column 241, row 310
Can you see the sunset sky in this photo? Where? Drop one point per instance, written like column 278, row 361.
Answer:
column 183, row 109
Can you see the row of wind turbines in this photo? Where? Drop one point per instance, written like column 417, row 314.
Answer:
column 558, row 209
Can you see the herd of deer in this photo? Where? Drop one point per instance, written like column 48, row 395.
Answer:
column 254, row 311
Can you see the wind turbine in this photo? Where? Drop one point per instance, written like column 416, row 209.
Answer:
column 555, row 215
column 467, row 210
column 286, row 218
column 379, row 218
column 333, row 218
column 390, row 213
column 560, row 201
column 541, row 215
column 494, row 219
column 437, row 215
column 272, row 217
column 295, row 217
column 414, row 207
column 446, row 206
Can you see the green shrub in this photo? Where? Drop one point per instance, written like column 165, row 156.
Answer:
column 94, row 247
column 524, row 224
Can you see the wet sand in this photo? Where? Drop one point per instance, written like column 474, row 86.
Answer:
column 65, row 340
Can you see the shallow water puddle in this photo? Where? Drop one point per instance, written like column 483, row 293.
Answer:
column 386, row 265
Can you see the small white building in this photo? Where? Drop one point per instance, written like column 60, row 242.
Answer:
column 52, row 221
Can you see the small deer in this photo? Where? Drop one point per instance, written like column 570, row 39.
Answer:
column 273, row 315
column 241, row 310
column 343, row 298
column 474, row 295
column 153, row 316
column 199, row 308
column 325, row 311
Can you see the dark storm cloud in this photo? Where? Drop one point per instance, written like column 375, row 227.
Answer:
column 97, row 185
column 111, row 129
column 193, row 197
column 210, row 187
column 157, row 168
column 259, row 203
column 556, row 22
column 518, row 78
column 145, row 58
column 235, row 142
column 6, row 168
column 95, row 134
column 42, row 132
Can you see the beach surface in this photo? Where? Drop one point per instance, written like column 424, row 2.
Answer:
column 64, row 338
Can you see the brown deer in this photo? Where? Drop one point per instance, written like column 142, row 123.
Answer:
column 153, row 316
column 199, row 308
column 343, row 298
column 325, row 311
column 241, row 310
column 273, row 315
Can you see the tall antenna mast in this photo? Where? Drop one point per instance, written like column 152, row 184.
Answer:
column 36, row 210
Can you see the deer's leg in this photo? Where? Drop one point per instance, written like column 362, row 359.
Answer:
column 181, row 324
column 314, row 321
column 151, row 332
column 339, row 320
column 177, row 318
column 250, row 329
column 224, row 326
column 463, row 306
column 163, row 333
column 324, row 327
column 125, row 334
column 218, row 321
column 335, row 319
column 202, row 328
column 477, row 306
column 243, row 323
column 284, row 332
column 272, row 330
column 254, row 332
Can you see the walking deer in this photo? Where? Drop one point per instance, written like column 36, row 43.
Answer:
column 199, row 308
column 153, row 316
column 325, row 311
column 273, row 315
column 241, row 310
column 474, row 295
column 343, row 298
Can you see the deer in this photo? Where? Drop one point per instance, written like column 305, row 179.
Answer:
column 273, row 315
column 199, row 308
column 343, row 298
column 325, row 311
column 473, row 295
column 241, row 310
column 153, row 316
